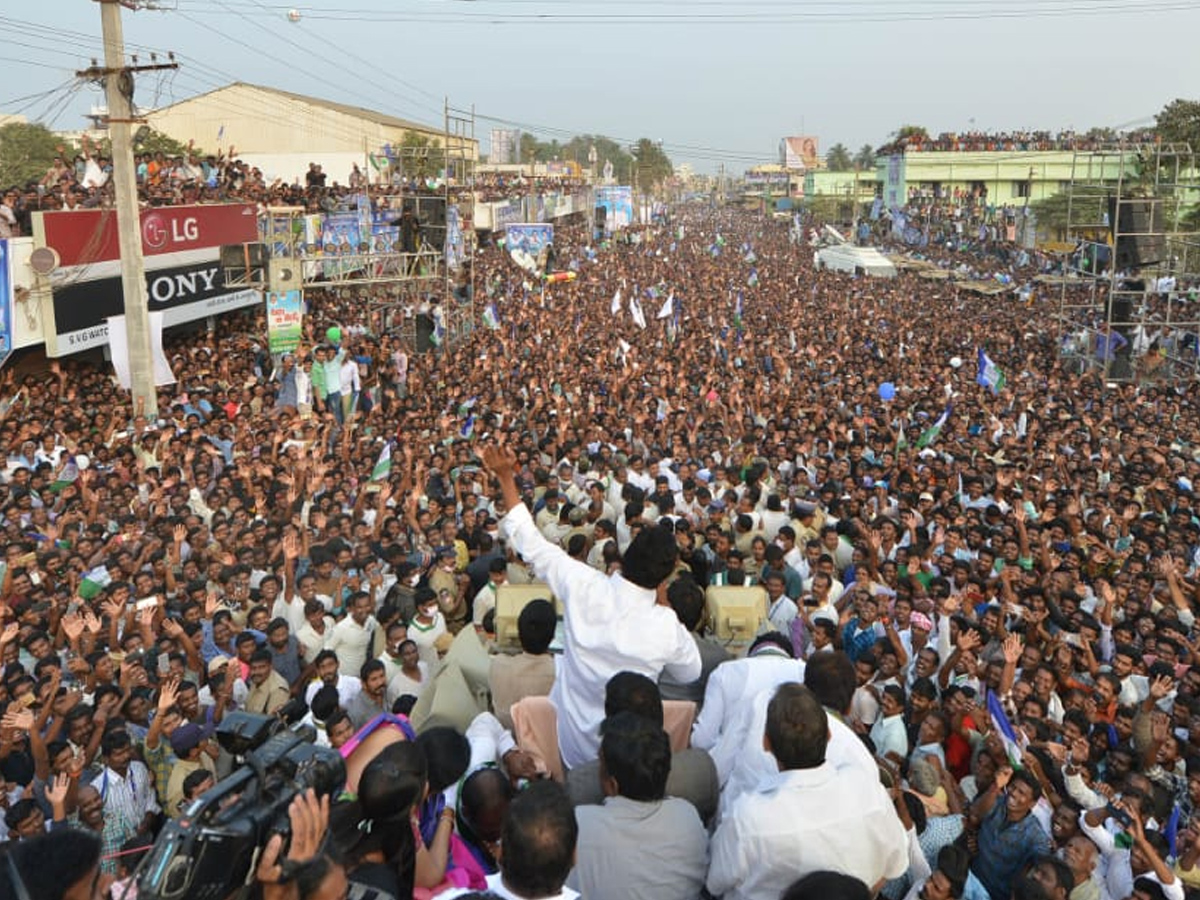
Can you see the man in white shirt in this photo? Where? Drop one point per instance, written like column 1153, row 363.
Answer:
column 810, row 817
column 352, row 636
column 720, row 728
column 611, row 624
column 328, row 673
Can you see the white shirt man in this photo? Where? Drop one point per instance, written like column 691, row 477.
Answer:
column 721, row 726
column 809, row 817
column 611, row 625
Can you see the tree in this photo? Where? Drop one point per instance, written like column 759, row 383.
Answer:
column 907, row 132
column 1179, row 122
column 421, row 156
column 1059, row 212
column 607, row 150
column 838, row 159
column 150, row 141
column 27, row 151
column 653, row 165
column 865, row 158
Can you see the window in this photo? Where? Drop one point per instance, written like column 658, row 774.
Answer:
column 1020, row 188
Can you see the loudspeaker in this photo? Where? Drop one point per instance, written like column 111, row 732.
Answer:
column 249, row 256
column 1137, row 226
column 433, row 211
column 601, row 217
column 283, row 275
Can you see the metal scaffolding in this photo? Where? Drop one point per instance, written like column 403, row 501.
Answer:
column 459, row 182
column 1136, row 251
column 421, row 287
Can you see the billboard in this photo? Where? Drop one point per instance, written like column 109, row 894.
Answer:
column 182, row 293
column 800, row 153
column 285, row 316
column 506, row 147
column 184, row 279
column 618, row 206
column 6, row 301
column 529, row 244
column 895, row 191
column 88, row 236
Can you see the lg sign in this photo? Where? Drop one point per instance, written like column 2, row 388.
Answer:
column 158, row 231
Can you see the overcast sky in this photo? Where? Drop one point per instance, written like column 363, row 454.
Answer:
column 715, row 80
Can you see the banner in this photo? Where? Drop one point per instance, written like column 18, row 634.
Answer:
column 6, row 302
column 285, row 316
column 618, row 206
column 529, row 244
column 118, row 345
column 454, row 237
column 182, row 294
column 85, row 236
column 799, row 153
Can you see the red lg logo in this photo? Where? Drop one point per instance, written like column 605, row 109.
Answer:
column 154, row 232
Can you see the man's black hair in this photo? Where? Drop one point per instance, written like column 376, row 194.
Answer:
column 830, row 676
column 631, row 692
column 48, row 865
column 535, row 626
column 539, row 840
column 637, row 754
column 797, row 727
column 651, row 557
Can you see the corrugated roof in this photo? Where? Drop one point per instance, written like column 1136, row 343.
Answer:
column 359, row 112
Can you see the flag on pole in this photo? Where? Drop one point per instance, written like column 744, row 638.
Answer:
column 737, row 312
column 383, row 466
column 1013, row 743
column 491, row 316
column 989, row 375
column 635, row 310
column 668, row 307
column 752, row 281
column 220, row 134
column 615, row 306
column 468, row 427
column 930, row 434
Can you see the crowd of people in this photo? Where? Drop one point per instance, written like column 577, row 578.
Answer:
column 1020, row 141
column 977, row 675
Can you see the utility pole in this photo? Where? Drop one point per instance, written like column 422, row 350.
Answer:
column 118, row 89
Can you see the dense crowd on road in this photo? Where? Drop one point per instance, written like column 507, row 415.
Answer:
column 1008, row 141
column 977, row 676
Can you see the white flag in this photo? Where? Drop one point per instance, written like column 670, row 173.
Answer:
column 118, row 346
column 668, row 307
column 635, row 310
column 615, row 308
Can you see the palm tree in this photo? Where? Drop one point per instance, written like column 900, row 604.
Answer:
column 838, row 159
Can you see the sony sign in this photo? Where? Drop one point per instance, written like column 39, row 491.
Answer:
column 180, row 285
column 184, row 293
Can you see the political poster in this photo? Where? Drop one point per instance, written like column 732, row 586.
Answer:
column 285, row 318
column 528, row 243
column 617, row 201
column 6, row 302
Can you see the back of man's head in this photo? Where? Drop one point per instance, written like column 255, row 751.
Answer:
column 50, row 865
column 631, row 692
column 827, row 886
column 687, row 599
column 636, row 754
column 535, row 626
column 651, row 557
column 538, row 838
column 797, row 728
column 831, row 677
